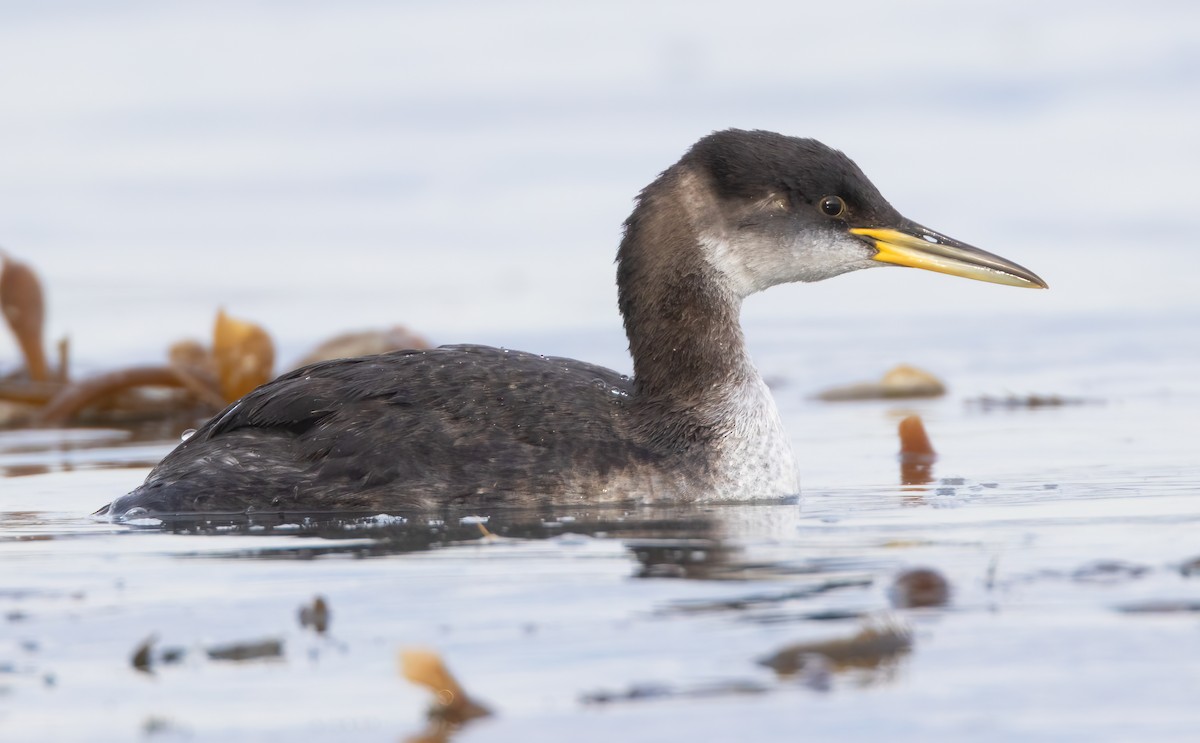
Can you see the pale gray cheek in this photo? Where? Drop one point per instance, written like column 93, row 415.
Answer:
column 819, row 257
column 751, row 263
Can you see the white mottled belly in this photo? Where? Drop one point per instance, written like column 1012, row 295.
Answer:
column 754, row 460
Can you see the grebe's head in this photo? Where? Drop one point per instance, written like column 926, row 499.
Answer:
column 769, row 209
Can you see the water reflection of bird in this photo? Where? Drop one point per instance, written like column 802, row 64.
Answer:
column 473, row 425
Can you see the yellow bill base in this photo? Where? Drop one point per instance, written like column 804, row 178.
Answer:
column 947, row 256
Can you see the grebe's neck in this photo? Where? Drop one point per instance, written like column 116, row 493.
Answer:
column 681, row 307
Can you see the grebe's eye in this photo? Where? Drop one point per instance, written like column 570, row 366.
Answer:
column 832, row 206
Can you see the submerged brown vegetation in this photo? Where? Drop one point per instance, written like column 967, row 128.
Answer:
column 196, row 381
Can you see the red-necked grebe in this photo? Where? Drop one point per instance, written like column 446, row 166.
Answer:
column 478, row 426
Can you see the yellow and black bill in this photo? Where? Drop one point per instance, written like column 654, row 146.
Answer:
column 919, row 247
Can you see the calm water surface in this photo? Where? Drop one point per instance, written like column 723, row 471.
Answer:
column 1068, row 536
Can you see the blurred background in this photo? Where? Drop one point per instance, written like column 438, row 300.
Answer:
column 464, row 168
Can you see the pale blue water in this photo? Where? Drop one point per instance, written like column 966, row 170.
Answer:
column 464, row 169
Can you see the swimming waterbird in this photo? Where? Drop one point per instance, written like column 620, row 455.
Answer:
column 476, row 426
